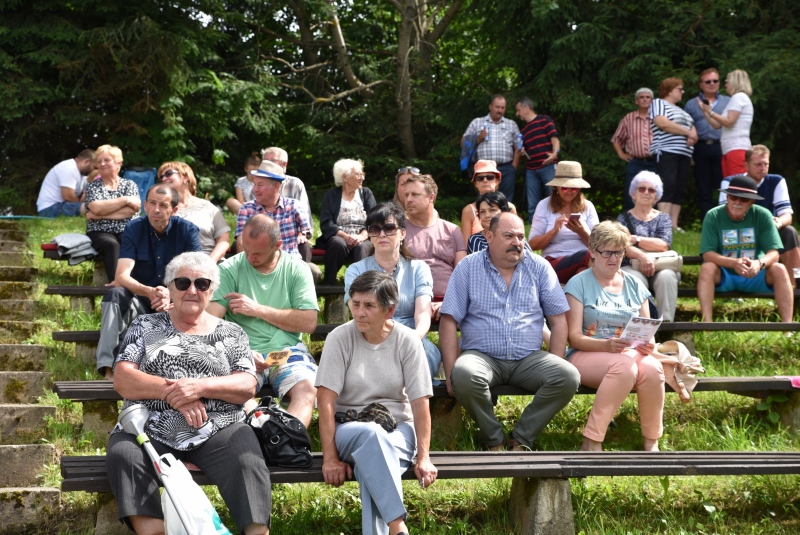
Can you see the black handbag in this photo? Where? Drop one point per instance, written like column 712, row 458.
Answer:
column 283, row 438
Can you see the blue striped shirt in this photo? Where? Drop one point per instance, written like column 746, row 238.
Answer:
column 503, row 322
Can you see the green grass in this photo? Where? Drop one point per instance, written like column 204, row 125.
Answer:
column 603, row 505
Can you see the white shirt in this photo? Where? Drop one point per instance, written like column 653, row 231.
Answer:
column 737, row 137
column 565, row 242
column 62, row 175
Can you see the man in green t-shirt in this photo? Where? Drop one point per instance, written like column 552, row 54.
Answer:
column 270, row 294
column 739, row 244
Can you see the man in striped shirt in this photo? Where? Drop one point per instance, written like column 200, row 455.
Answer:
column 632, row 142
column 541, row 146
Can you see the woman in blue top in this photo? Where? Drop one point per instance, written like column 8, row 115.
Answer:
column 602, row 300
column 386, row 226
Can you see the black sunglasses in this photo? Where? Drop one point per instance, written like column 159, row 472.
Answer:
column 182, row 283
column 168, row 174
column 390, row 229
column 481, row 178
column 408, row 169
column 709, row 82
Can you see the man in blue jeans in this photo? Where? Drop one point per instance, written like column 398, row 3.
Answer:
column 541, row 146
column 62, row 192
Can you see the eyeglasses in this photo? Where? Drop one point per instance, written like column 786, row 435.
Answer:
column 680, row 87
column 357, row 175
column 390, row 229
column 182, row 283
column 565, row 190
column 608, row 254
column 643, row 189
column 408, row 169
column 709, row 82
column 481, row 178
column 168, row 174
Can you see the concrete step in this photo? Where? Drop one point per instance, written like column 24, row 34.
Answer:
column 20, row 464
column 13, row 234
column 18, row 273
column 17, row 309
column 22, row 357
column 23, row 387
column 9, row 224
column 12, row 246
column 23, row 258
column 16, row 290
column 16, row 332
column 24, row 507
column 23, row 424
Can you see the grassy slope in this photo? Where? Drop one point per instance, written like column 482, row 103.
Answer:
column 712, row 421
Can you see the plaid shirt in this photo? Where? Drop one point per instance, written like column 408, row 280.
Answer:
column 503, row 322
column 289, row 218
column 634, row 135
column 500, row 144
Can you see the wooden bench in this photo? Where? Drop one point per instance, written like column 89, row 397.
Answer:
column 541, row 499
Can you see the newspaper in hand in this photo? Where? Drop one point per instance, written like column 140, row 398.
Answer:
column 640, row 330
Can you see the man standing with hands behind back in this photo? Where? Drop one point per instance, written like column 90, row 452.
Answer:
column 497, row 140
column 632, row 142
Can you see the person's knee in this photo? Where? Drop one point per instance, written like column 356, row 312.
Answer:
column 709, row 273
column 335, row 243
column 463, row 378
column 303, row 393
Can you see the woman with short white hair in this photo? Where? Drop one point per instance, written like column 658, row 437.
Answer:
column 651, row 232
column 342, row 221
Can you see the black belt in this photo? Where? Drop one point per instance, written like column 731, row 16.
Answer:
column 648, row 159
column 709, row 141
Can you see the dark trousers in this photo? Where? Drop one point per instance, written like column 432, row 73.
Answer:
column 633, row 168
column 231, row 459
column 107, row 245
column 337, row 253
column 674, row 170
column 707, row 175
column 305, row 251
column 508, row 181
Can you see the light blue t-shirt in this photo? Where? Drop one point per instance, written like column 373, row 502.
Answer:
column 413, row 280
column 605, row 314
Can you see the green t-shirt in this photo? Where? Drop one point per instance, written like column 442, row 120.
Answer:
column 751, row 237
column 290, row 285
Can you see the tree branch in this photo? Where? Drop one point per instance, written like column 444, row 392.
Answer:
column 341, row 52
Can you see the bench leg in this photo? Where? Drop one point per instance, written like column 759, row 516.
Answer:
column 107, row 510
column 542, row 506
column 790, row 412
column 99, row 417
column 81, row 304
column 336, row 312
column 446, row 421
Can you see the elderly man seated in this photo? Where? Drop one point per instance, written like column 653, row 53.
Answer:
column 739, row 245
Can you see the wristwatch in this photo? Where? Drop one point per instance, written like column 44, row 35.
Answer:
column 635, row 239
column 763, row 265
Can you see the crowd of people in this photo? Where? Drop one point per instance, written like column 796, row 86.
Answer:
column 187, row 328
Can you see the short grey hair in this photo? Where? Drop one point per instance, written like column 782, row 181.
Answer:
column 380, row 284
column 195, row 260
column 648, row 177
column 345, row 166
column 277, row 151
column 643, row 90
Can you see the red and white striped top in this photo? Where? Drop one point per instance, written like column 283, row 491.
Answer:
column 634, row 135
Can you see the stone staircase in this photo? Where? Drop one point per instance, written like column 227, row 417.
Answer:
column 23, row 502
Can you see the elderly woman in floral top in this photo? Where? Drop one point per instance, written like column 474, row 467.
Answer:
column 651, row 232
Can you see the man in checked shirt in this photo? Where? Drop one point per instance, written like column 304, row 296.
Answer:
column 632, row 142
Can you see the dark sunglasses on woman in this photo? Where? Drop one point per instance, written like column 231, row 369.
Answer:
column 481, row 178
column 168, row 174
column 182, row 283
column 390, row 229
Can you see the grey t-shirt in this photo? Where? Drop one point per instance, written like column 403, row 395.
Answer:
column 392, row 373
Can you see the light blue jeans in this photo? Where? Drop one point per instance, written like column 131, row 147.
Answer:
column 535, row 179
column 62, row 208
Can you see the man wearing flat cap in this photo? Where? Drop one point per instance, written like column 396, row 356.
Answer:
column 739, row 244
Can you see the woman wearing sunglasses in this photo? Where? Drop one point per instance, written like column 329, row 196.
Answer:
column 562, row 223
column 601, row 301
column 194, row 372
column 214, row 230
column 486, row 179
column 651, row 232
column 386, row 225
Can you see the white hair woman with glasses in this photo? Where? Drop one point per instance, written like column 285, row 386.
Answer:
column 215, row 232
column 375, row 359
column 601, row 301
column 651, row 232
column 486, row 179
column 562, row 223
column 735, row 122
column 194, row 372
column 386, row 225
column 341, row 222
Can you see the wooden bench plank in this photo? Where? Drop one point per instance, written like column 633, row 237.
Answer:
column 697, row 326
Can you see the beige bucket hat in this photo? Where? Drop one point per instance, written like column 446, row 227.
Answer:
column 569, row 175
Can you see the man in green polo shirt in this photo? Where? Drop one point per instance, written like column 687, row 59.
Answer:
column 271, row 295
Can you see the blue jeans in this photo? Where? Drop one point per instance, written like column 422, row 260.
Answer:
column 62, row 208
column 535, row 179
column 633, row 168
column 509, row 179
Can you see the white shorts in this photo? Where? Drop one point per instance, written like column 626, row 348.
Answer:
column 301, row 366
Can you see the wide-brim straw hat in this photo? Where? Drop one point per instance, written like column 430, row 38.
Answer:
column 269, row 169
column 486, row 166
column 569, row 175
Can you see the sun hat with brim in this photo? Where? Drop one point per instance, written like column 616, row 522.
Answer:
column 743, row 186
column 486, row 166
column 569, row 175
column 269, row 169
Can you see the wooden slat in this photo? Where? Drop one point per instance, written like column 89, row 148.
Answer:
column 693, row 326
column 89, row 291
column 692, row 292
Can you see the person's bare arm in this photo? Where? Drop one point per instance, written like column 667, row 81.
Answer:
column 460, row 255
column 122, row 213
column 107, row 207
column 221, row 247
column 728, row 120
column 722, row 261
column 621, row 153
column 558, row 334
column 783, row 220
column 133, row 384
column 334, row 471
column 467, row 218
column 68, row 194
column 553, row 155
column 290, row 320
column 425, row 471
column 422, row 315
column 448, row 343
column 538, row 243
column 238, row 387
column 670, row 127
column 158, row 295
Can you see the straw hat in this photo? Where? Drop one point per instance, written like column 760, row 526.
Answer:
column 486, row 166
column 569, row 175
column 271, row 170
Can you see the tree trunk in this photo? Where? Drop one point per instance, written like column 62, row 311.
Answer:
column 408, row 12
